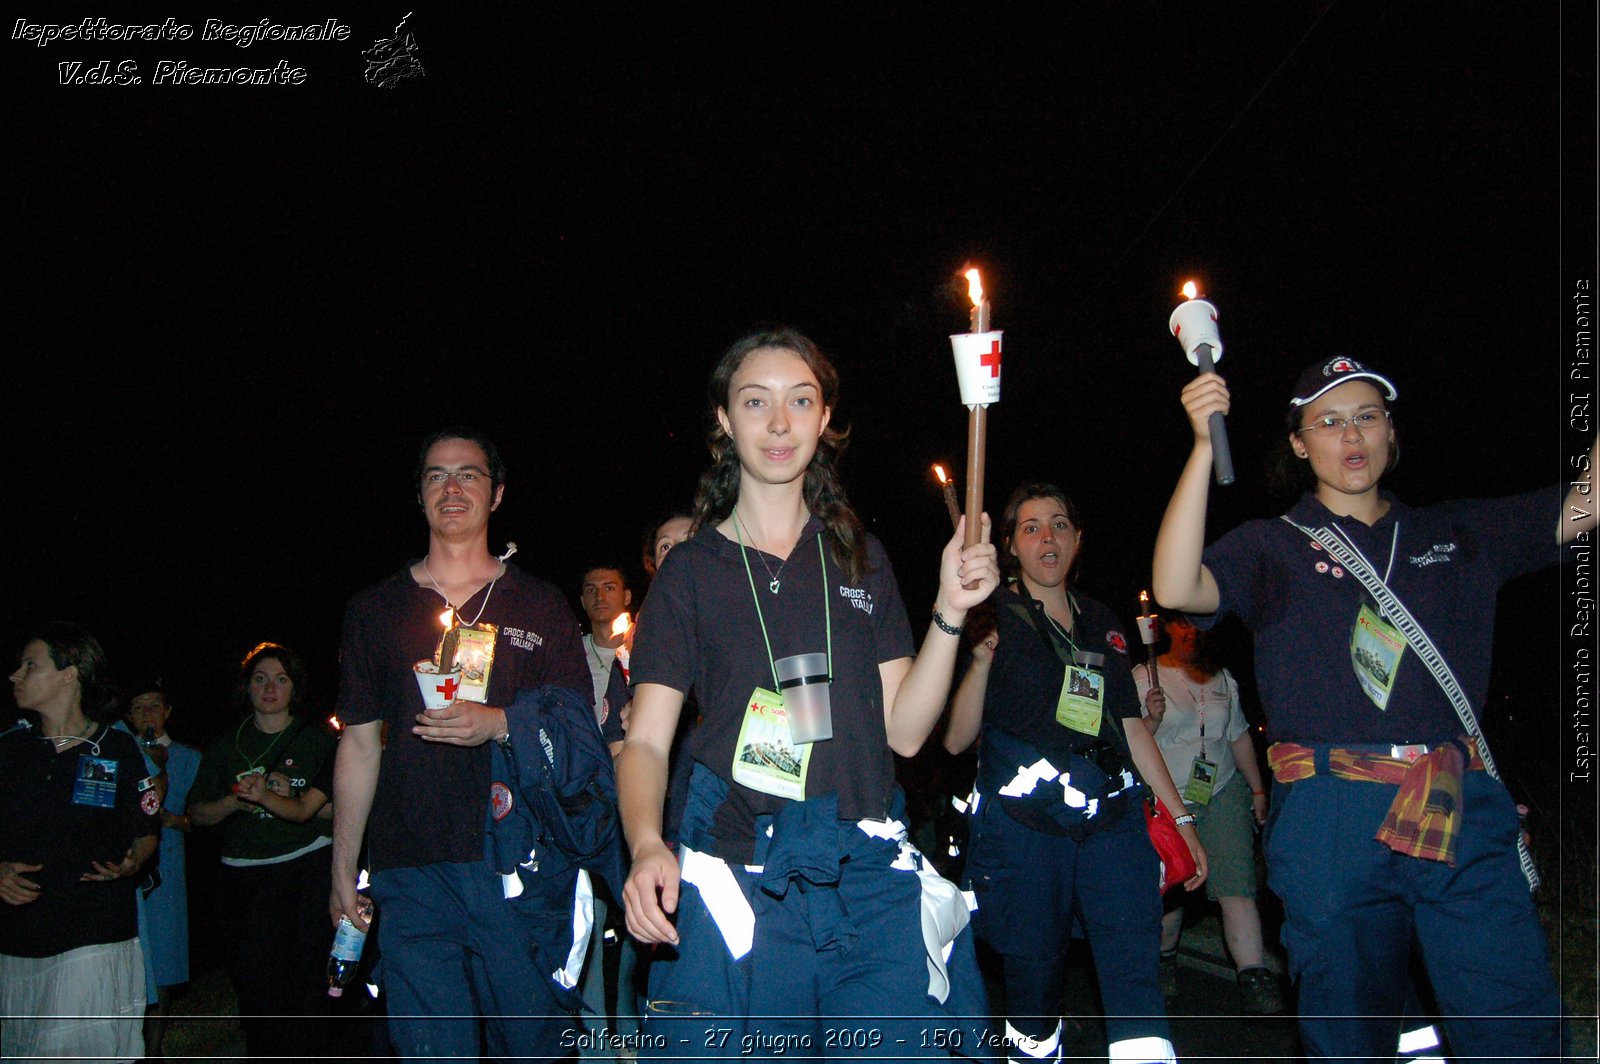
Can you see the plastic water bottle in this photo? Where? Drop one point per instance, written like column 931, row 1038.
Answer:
column 345, row 956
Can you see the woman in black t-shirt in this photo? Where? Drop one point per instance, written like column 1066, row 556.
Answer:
column 81, row 818
column 786, row 841
column 1057, row 827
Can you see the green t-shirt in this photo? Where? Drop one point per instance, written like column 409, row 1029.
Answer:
column 303, row 752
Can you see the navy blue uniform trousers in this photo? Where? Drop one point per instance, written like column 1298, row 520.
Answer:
column 1352, row 905
column 836, row 965
column 1032, row 886
column 454, row 950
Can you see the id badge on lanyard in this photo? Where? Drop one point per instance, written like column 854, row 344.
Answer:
column 1202, row 778
column 1081, row 703
column 764, row 757
column 1376, row 648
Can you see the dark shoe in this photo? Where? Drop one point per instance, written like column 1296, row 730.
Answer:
column 1258, row 989
column 1169, row 975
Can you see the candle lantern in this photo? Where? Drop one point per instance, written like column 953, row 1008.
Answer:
column 977, row 355
column 1194, row 324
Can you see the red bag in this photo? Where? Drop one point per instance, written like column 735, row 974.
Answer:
column 1177, row 863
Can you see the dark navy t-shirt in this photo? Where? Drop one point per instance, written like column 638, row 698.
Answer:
column 431, row 797
column 1025, row 681
column 699, row 631
column 1448, row 563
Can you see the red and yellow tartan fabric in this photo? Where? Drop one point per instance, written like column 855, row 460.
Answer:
column 1426, row 813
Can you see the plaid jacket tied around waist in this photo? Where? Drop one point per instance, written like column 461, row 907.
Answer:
column 1425, row 817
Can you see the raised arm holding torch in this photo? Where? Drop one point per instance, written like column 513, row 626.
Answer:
column 1194, row 324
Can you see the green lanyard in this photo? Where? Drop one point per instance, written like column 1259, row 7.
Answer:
column 1055, row 625
column 827, row 607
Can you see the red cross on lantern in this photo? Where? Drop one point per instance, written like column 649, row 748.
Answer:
column 991, row 358
column 448, row 688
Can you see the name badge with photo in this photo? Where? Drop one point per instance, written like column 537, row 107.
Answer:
column 475, row 655
column 1202, row 780
column 765, row 759
column 1376, row 648
column 96, row 782
column 1082, row 700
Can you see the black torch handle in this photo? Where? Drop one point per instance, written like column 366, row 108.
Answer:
column 1221, row 456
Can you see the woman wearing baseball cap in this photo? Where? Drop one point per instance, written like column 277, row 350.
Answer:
column 1374, row 626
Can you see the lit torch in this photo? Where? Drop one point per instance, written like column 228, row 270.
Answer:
column 449, row 640
column 622, row 626
column 1149, row 633
column 1194, row 323
column 978, row 371
column 949, row 488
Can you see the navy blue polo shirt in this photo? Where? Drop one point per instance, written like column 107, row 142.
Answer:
column 44, row 825
column 1025, row 680
column 699, row 632
column 430, row 798
column 1449, row 562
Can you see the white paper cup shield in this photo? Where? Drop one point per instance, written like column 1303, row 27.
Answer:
column 978, row 366
column 1194, row 322
column 438, row 688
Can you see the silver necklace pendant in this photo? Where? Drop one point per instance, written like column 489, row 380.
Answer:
column 773, row 587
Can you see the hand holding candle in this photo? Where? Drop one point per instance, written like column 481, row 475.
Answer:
column 1194, row 324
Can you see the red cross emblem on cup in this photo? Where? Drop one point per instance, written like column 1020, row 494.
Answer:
column 991, row 358
column 448, row 688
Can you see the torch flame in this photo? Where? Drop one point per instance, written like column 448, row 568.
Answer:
column 621, row 625
column 448, row 618
column 938, row 471
column 974, row 286
column 1190, row 289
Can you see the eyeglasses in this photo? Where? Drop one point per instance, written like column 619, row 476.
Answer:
column 1335, row 426
column 465, row 477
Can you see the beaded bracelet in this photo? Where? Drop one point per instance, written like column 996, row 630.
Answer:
column 945, row 626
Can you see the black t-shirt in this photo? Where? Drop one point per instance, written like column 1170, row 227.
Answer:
column 1025, row 680
column 431, row 798
column 1445, row 562
column 699, row 631
column 43, row 824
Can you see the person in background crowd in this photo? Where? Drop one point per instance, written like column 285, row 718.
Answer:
column 662, row 537
column 604, row 595
column 1374, row 627
column 81, row 821
column 633, row 966
column 455, row 952
column 266, row 782
column 783, row 837
column 166, row 909
column 1204, row 738
column 1058, row 828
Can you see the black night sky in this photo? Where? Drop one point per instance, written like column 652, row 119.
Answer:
column 235, row 310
